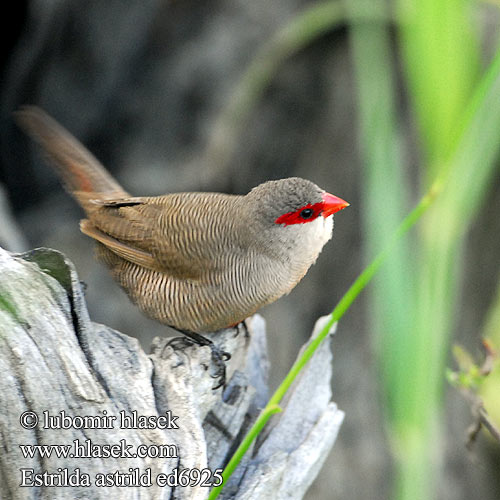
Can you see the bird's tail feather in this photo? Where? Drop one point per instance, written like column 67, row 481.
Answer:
column 82, row 174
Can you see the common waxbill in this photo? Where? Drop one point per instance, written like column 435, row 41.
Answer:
column 198, row 262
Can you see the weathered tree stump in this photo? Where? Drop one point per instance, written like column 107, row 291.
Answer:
column 58, row 368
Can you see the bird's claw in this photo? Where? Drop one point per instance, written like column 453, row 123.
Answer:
column 245, row 328
column 219, row 357
column 179, row 342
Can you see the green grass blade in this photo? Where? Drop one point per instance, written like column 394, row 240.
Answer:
column 468, row 169
column 441, row 57
column 385, row 195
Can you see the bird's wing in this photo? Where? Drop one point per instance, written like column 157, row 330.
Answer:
column 123, row 250
column 157, row 233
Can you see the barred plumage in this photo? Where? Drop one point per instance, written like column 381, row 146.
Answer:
column 194, row 261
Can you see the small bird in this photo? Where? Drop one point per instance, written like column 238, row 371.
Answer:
column 198, row 262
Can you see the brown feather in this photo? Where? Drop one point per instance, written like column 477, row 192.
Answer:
column 134, row 255
column 79, row 169
column 195, row 261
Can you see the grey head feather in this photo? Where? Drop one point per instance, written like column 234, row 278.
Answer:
column 274, row 198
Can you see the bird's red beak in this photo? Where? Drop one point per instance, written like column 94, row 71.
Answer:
column 332, row 204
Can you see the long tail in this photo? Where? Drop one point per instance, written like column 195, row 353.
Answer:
column 82, row 174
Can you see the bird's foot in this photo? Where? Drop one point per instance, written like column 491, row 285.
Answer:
column 245, row 328
column 219, row 356
column 179, row 342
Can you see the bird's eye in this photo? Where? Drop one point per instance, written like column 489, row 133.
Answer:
column 307, row 213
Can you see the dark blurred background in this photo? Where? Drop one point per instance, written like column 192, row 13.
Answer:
column 143, row 84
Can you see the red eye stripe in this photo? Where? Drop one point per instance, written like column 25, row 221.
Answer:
column 297, row 217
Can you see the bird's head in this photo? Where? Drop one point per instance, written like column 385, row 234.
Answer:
column 294, row 214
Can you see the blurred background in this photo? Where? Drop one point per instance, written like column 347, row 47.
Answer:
column 370, row 100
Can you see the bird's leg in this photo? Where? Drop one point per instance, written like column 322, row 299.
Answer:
column 245, row 328
column 218, row 355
